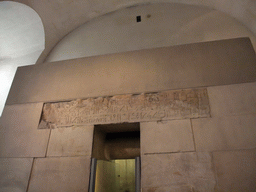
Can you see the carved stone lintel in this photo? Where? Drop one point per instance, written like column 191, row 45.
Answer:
column 166, row 105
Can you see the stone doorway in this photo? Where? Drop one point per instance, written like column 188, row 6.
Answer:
column 115, row 147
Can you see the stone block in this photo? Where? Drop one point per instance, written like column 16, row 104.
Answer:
column 19, row 136
column 236, row 170
column 232, row 99
column 166, row 172
column 73, row 141
column 65, row 174
column 14, row 174
column 166, row 136
column 167, row 68
column 226, row 133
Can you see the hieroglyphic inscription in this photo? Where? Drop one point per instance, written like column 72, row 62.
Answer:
column 179, row 104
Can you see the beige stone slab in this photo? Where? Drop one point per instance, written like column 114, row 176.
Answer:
column 65, row 174
column 166, row 136
column 178, row 67
column 73, row 141
column 232, row 99
column 236, row 170
column 19, row 136
column 226, row 133
column 14, row 174
column 178, row 170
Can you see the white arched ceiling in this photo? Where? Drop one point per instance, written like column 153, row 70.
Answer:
column 60, row 17
column 21, row 42
column 162, row 24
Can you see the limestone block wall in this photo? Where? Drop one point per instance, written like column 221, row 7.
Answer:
column 184, row 151
column 215, row 153
column 42, row 160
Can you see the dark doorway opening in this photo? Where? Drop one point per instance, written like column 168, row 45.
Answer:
column 115, row 147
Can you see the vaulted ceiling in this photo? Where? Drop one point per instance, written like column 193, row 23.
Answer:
column 60, row 17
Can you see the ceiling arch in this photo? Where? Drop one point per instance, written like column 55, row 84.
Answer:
column 60, row 17
column 162, row 24
column 21, row 42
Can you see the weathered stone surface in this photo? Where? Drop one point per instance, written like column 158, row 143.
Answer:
column 230, row 100
column 71, row 141
column 19, row 136
column 188, row 170
column 226, row 133
column 65, row 174
column 14, row 174
column 179, row 104
column 166, row 136
column 236, row 170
